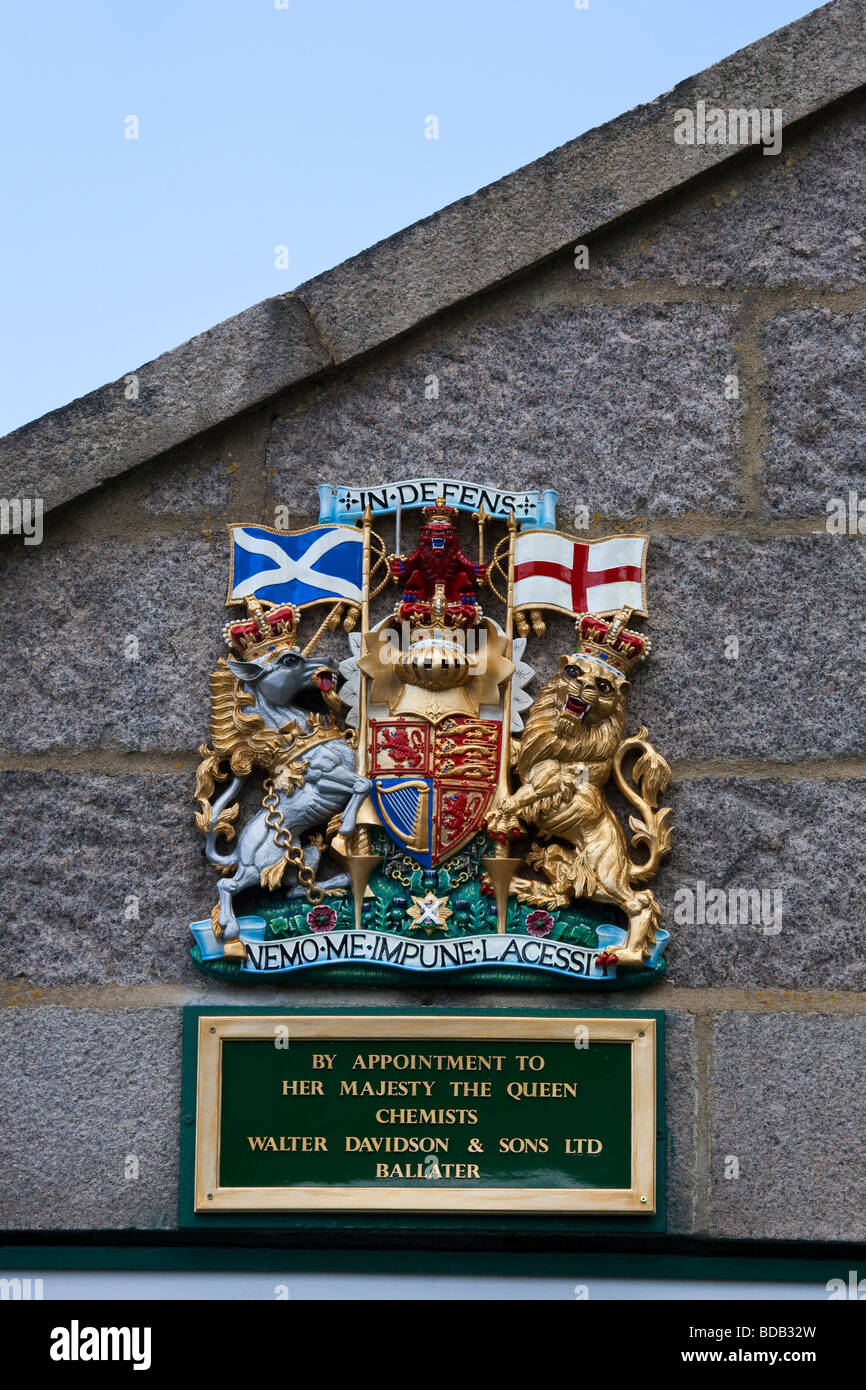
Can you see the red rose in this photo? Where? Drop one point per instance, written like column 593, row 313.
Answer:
column 539, row 923
column 321, row 918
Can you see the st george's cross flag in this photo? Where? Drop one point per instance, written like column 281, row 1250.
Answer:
column 552, row 570
column 297, row 567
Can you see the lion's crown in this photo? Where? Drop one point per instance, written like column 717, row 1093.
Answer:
column 610, row 641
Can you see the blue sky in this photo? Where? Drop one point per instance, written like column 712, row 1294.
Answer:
column 262, row 127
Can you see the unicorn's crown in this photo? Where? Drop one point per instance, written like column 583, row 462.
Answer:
column 267, row 627
column 610, row 641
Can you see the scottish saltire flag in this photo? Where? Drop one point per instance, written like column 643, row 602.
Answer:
column 552, row 570
column 296, row 566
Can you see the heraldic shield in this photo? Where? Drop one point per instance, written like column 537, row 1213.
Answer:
column 433, row 784
column 421, row 810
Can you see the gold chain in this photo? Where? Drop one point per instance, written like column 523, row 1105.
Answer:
column 292, row 853
column 405, row 863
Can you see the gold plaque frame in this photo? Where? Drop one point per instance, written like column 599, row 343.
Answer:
column 637, row 1033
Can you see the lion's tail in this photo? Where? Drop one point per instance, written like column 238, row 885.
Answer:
column 652, row 776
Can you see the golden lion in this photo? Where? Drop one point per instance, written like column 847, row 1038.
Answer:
column 572, row 743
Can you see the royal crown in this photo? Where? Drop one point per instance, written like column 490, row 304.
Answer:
column 610, row 641
column 440, row 514
column 268, row 627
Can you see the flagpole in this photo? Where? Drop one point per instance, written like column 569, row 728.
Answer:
column 360, row 861
column 499, row 865
column 367, row 528
column 480, row 517
column 504, row 788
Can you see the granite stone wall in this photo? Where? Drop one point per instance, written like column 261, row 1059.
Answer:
column 701, row 380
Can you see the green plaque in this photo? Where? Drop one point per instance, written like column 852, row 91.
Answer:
column 425, row 1112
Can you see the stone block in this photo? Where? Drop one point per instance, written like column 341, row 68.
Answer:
column 816, row 405
column 199, row 487
column 103, row 876
column 90, row 1098
column 788, row 1107
column 621, row 409
column 756, row 223
column 118, row 638
column 798, row 845
column 758, row 648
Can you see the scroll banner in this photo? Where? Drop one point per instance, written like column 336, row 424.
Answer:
column 348, row 503
column 360, row 948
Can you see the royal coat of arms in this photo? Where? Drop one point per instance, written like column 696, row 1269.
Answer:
column 420, row 810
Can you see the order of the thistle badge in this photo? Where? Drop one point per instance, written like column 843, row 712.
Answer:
column 420, row 810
